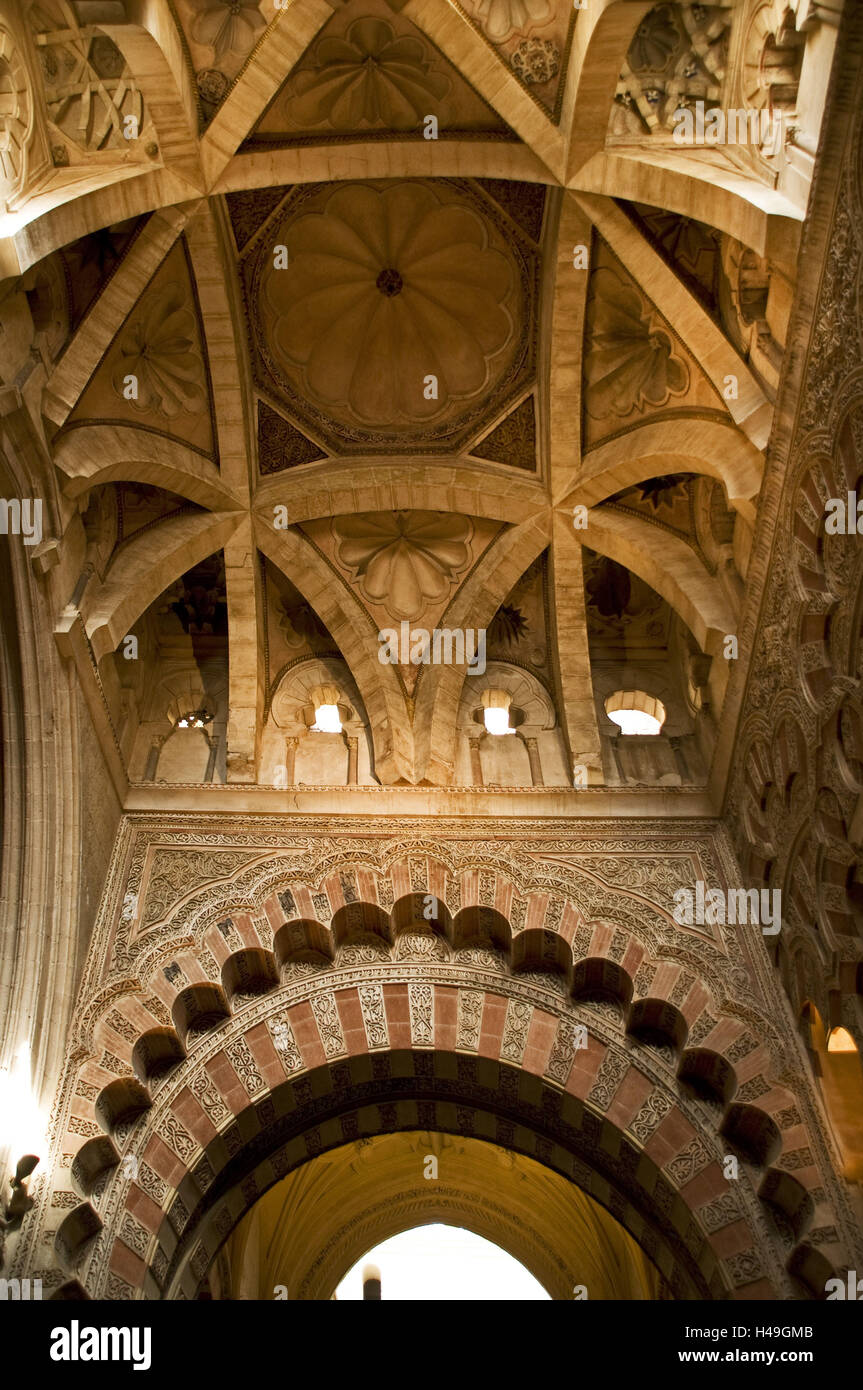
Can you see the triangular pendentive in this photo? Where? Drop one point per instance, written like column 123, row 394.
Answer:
column 280, row 444
column 155, row 374
column 250, row 209
column 635, row 365
column 513, row 441
column 372, row 74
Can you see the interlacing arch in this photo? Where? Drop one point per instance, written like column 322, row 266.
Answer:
column 283, row 1021
column 203, row 159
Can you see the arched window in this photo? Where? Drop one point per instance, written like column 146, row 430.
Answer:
column 635, row 712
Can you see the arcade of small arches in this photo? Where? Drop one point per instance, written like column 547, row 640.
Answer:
column 451, row 1002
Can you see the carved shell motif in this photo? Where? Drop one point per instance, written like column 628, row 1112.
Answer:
column 404, row 559
column 500, row 18
column 159, row 349
column 631, row 362
column 368, row 78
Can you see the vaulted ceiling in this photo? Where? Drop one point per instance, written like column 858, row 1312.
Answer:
column 355, row 314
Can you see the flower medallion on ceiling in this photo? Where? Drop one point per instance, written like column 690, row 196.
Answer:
column 228, row 26
column 403, row 565
column 160, row 349
column 220, row 35
column 404, row 316
column 369, row 77
column 500, row 17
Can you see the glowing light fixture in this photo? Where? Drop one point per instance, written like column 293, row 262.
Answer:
column 635, row 712
column 23, row 1127
column 495, row 712
column 497, row 721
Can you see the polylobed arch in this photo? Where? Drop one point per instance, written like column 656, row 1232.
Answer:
column 709, row 1074
column 358, row 919
column 537, row 948
column 753, row 1132
column 603, row 979
column 198, row 1007
column 249, row 972
column 302, row 940
column 360, row 1096
column 421, row 912
column 481, row 924
column 659, row 1022
column 155, row 1053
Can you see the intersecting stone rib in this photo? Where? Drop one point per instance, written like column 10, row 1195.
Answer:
column 356, row 637
column 94, row 454
column 566, row 348
column 167, row 92
column 343, row 486
column 145, row 567
column 226, row 349
column 289, row 34
column 480, row 64
column 603, row 33
column 94, row 334
column 672, row 569
column 734, row 210
column 385, row 159
column 693, row 325
column 685, row 445
column 439, row 687
column 578, row 709
column 245, row 654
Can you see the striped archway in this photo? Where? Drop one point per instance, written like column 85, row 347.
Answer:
column 281, row 1014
